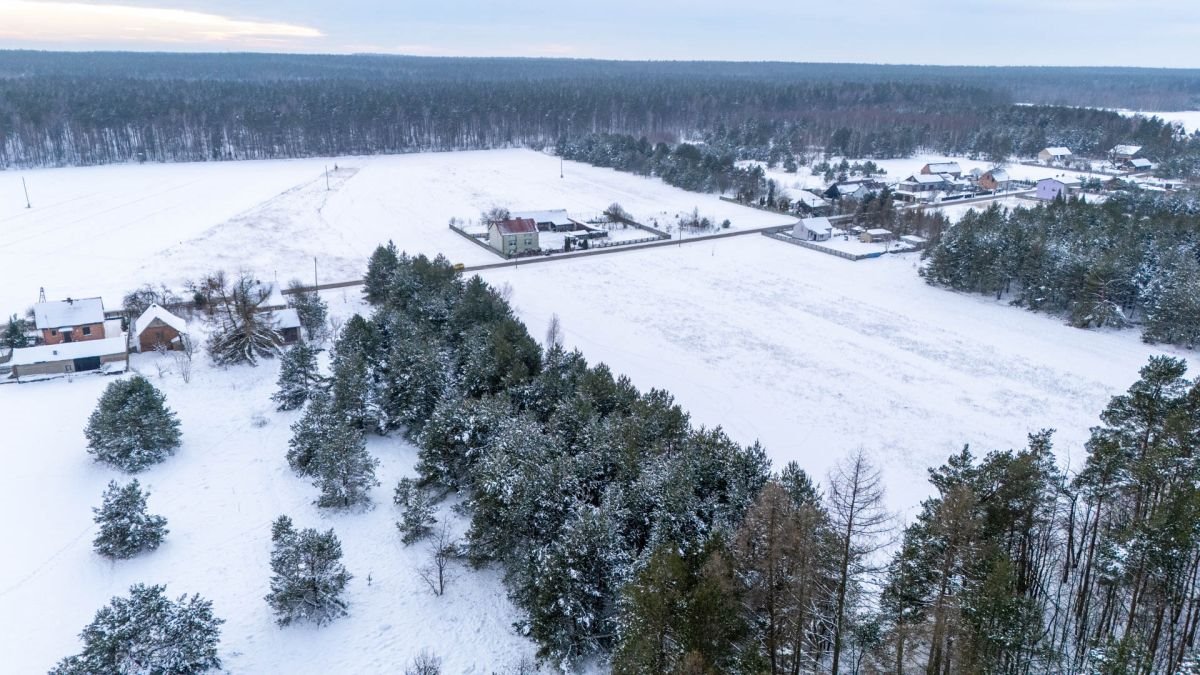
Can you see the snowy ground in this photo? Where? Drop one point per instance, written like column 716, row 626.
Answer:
column 1190, row 119
column 220, row 493
column 105, row 230
column 811, row 354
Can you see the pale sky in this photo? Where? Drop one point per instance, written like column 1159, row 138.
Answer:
column 1160, row 33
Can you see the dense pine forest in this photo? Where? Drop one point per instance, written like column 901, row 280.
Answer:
column 68, row 109
column 1133, row 258
column 627, row 533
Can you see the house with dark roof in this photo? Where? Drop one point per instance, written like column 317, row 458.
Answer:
column 513, row 236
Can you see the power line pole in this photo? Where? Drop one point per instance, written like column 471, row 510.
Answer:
column 560, row 167
column 315, row 284
column 327, row 178
column 26, row 188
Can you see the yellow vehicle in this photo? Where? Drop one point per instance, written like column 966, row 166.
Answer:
column 458, row 267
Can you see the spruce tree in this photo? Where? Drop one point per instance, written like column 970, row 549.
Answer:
column 309, row 433
column 311, row 309
column 148, row 633
column 125, row 527
column 308, row 576
column 416, row 521
column 343, row 469
column 380, row 271
column 132, row 427
column 14, row 333
column 298, row 377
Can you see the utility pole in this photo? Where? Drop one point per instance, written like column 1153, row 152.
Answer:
column 327, row 178
column 560, row 167
column 26, row 188
column 315, row 284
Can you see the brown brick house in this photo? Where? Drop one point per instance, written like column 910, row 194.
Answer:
column 70, row 320
column 156, row 326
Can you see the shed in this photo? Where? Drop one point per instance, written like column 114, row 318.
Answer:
column 1138, row 164
column 1123, row 152
column 1054, row 155
column 287, row 322
column 156, row 326
column 553, row 220
column 875, row 235
column 108, row 355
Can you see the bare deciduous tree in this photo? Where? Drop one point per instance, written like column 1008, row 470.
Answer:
column 441, row 551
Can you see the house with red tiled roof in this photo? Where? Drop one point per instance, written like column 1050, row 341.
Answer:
column 513, row 236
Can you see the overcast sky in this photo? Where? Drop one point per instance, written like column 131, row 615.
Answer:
column 973, row 32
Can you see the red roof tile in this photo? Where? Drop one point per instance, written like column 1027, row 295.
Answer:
column 517, row 226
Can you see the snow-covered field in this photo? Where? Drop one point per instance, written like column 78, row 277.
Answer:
column 813, row 355
column 1190, row 119
column 220, row 493
column 105, row 230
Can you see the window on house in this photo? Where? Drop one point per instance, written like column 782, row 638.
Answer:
column 87, row 330
column 53, row 332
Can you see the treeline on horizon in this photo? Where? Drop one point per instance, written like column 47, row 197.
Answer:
column 628, row 534
column 69, row 109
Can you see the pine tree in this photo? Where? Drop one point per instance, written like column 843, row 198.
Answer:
column 125, row 527
column 132, row 428
column 309, row 433
column 310, row 307
column 381, row 269
column 343, row 469
column 308, row 577
column 417, row 520
column 298, row 377
column 354, row 374
column 14, row 333
column 148, row 633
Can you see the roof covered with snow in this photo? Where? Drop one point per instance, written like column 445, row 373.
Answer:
column 555, row 216
column 69, row 312
column 1057, row 151
column 156, row 312
column 286, row 318
column 998, row 174
column 926, row 179
column 68, row 350
column 1128, row 150
column 516, row 226
column 943, row 167
column 810, row 199
column 1141, row 163
column 816, row 224
column 878, row 232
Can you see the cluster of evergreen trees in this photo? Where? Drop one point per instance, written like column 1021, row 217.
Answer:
column 1135, row 257
column 58, row 109
column 625, row 532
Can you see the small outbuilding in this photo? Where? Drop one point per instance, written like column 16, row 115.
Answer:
column 876, row 235
column 1137, row 164
column 813, row 229
column 156, row 326
column 287, row 322
column 106, row 355
column 1122, row 153
column 936, row 168
column 1055, row 155
column 553, row 220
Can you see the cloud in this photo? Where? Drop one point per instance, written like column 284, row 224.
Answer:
column 80, row 23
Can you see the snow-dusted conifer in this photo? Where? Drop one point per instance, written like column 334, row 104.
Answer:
column 148, row 633
column 343, row 469
column 298, row 377
column 416, row 521
column 14, row 333
column 309, row 433
column 311, row 309
column 132, row 427
column 125, row 527
column 309, row 577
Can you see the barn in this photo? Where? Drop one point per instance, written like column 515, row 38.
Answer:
column 156, row 326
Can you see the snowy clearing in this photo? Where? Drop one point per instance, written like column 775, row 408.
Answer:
column 171, row 222
column 1190, row 119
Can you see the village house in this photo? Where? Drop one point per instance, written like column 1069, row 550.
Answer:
column 813, row 229
column 996, row 179
column 513, row 236
column 1124, row 153
column 934, row 168
column 1137, row 164
column 156, row 326
column 848, row 190
column 1049, row 189
column 924, row 182
column 554, row 220
column 69, row 320
column 807, row 202
column 108, row 355
column 1054, row 156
